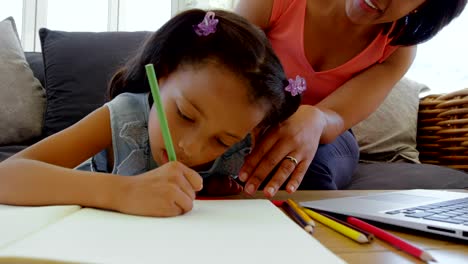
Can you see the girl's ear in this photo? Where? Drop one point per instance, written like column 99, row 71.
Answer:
column 162, row 81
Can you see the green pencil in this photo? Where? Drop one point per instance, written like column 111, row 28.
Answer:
column 160, row 110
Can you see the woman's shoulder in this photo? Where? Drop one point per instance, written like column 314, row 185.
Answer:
column 283, row 9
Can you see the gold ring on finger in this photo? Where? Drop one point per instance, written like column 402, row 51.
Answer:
column 291, row 158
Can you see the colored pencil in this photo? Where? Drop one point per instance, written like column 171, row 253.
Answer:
column 391, row 239
column 277, row 203
column 293, row 215
column 298, row 209
column 369, row 236
column 348, row 232
column 150, row 73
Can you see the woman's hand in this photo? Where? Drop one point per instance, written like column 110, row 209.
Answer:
column 166, row 191
column 217, row 185
column 296, row 139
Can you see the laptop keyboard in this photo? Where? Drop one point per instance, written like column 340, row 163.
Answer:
column 453, row 211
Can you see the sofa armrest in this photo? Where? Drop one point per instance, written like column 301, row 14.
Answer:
column 442, row 137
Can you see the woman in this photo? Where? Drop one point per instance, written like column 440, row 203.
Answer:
column 351, row 53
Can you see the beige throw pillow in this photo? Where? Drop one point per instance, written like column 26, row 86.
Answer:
column 22, row 98
column 389, row 134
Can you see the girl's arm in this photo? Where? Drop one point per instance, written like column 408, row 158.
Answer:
column 42, row 174
column 359, row 97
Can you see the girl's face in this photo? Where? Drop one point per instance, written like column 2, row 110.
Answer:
column 208, row 110
column 379, row 11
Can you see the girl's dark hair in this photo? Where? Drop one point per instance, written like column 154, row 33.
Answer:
column 237, row 45
column 425, row 22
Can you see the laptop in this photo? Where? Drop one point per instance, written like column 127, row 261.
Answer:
column 434, row 211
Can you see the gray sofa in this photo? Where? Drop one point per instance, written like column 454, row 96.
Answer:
column 74, row 68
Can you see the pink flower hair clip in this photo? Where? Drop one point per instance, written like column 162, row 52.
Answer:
column 207, row 26
column 297, row 86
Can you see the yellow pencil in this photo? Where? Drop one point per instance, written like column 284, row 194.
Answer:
column 298, row 209
column 351, row 233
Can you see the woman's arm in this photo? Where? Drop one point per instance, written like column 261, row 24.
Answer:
column 257, row 12
column 359, row 97
column 42, row 174
column 300, row 135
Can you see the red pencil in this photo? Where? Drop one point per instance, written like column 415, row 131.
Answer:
column 277, row 203
column 391, row 239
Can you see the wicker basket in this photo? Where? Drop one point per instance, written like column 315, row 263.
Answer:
column 443, row 130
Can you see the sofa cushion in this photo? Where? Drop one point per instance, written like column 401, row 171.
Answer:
column 22, row 99
column 78, row 66
column 36, row 63
column 400, row 176
column 389, row 134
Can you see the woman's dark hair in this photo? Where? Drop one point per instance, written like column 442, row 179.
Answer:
column 425, row 22
column 237, row 45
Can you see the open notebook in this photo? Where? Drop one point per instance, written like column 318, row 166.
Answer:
column 215, row 231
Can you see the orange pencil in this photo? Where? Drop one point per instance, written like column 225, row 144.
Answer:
column 294, row 216
column 298, row 209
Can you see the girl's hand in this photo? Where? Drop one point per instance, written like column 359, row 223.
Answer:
column 297, row 137
column 218, row 185
column 166, row 191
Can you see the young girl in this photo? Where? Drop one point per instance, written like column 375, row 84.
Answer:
column 220, row 82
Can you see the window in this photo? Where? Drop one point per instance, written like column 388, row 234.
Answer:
column 82, row 15
column 441, row 63
column 135, row 15
column 95, row 15
column 204, row 4
column 15, row 9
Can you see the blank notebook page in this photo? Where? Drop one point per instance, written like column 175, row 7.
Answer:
column 215, row 231
column 16, row 222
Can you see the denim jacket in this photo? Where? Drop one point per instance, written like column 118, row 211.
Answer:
column 129, row 114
